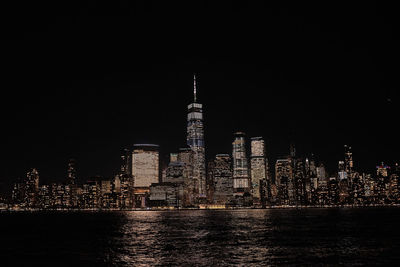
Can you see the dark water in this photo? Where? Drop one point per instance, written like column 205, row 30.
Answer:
column 202, row 238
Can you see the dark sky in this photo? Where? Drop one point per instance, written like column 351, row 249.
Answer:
column 86, row 81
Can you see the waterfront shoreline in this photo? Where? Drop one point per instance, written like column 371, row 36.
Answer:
column 193, row 209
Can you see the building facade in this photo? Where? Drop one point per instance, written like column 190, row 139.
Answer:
column 258, row 165
column 283, row 178
column 32, row 188
column 195, row 140
column 241, row 183
column 222, row 179
column 145, row 165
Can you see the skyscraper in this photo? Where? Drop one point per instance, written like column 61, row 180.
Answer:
column 195, row 140
column 292, row 178
column 71, row 172
column 240, row 169
column 145, row 165
column 32, row 188
column 257, row 166
column 321, row 172
column 301, row 182
column 71, row 183
column 283, row 178
column 185, row 155
column 222, row 178
column 348, row 160
column 341, row 170
column 126, row 166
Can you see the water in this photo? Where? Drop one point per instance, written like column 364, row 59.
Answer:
column 202, row 237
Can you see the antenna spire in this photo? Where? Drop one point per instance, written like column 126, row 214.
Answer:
column 194, row 87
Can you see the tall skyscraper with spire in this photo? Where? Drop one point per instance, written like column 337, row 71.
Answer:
column 195, row 140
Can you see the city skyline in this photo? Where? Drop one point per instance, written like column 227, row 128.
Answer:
column 241, row 179
column 164, row 156
column 200, row 133
column 89, row 80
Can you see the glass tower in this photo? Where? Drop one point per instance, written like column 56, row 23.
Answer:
column 195, row 140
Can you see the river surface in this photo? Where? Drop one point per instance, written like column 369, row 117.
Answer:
column 332, row 236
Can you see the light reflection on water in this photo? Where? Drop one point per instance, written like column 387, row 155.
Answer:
column 203, row 237
column 252, row 237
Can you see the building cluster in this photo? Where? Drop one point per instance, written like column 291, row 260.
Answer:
column 244, row 178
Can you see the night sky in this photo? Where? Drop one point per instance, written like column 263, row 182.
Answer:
column 85, row 81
